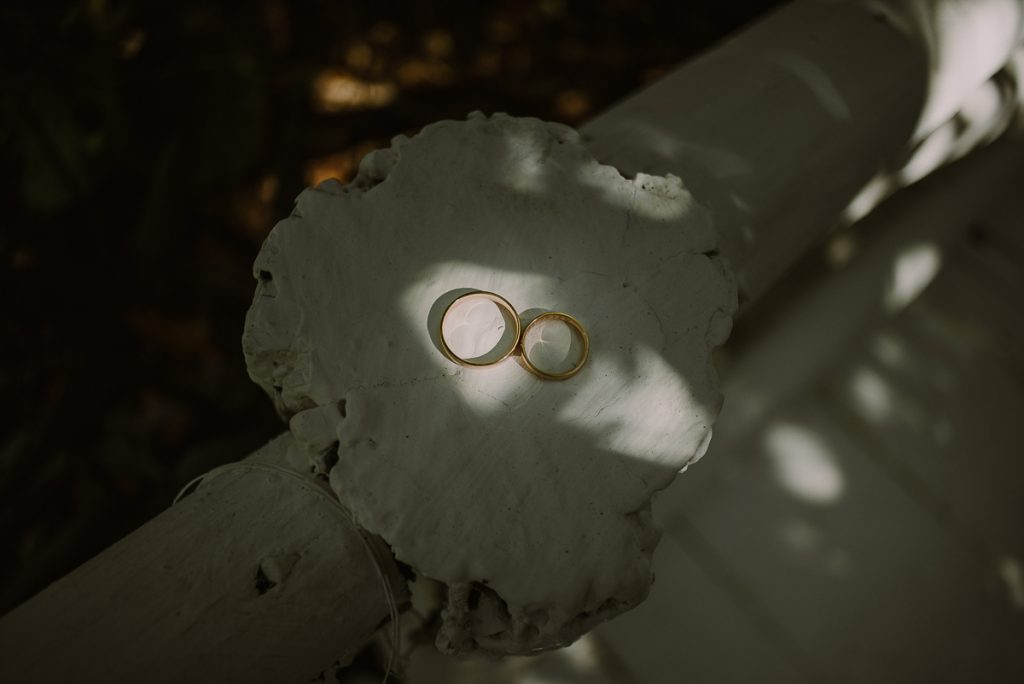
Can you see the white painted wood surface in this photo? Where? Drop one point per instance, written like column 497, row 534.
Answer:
column 866, row 519
column 794, row 343
column 252, row 577
column 780, row 127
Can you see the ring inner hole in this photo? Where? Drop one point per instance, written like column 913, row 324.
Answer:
column 478, row 330
column 553, row 345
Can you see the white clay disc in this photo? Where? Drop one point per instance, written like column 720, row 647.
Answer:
column 529, row 499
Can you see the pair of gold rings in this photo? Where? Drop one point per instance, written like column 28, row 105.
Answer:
column 518, row 337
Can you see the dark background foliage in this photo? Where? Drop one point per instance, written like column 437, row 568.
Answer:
column 148, row 147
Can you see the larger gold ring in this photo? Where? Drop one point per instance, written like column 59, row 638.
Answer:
column 575, row 325
column 502, row 304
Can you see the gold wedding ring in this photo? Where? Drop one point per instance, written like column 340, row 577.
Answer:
column 518, row 338
column 572, row 323
column 502, row 304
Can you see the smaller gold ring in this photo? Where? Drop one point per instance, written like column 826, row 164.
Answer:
column 502, row 304
column 575, row 325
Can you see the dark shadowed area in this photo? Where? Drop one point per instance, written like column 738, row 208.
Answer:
column 148, row 148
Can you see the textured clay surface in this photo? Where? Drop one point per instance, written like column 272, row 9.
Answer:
column 529, row 499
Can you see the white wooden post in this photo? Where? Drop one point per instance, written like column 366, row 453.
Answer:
column 252, row 577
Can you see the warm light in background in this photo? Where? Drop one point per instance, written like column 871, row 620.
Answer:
column 337, row 91
column 418, row 72
column 342, row 165
column 572, row 105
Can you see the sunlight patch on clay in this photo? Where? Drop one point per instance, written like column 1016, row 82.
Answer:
column 803, row 463
column 474, row 329
column 490, row 389
column 625, row 411
column 552, row 346
column 662, row 195
column 549, row 344
column 641, row 419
